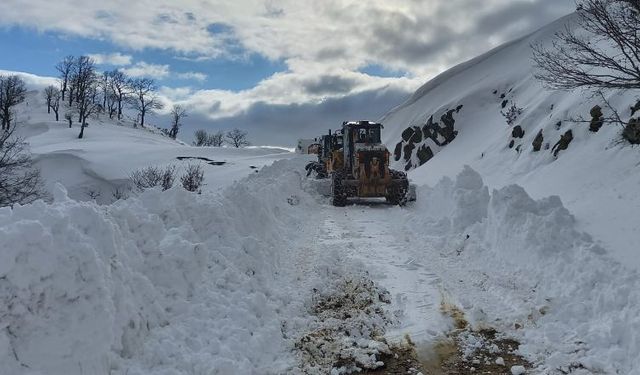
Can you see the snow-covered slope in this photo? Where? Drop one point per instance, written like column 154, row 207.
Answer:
column 596, row 177
column 102, row 161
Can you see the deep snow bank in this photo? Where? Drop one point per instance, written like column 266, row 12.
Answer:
column 520, row 265
column 167, row 282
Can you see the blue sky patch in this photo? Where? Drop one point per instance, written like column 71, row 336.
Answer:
column 381, row 71
column 38, row 52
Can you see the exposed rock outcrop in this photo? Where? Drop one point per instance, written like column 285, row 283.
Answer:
column 424, row 154
column 597, row 119
column 537, row 142
column 563, row 143
column 631, row 131
column 416, row 137
column 517, row 132
column 397, row 153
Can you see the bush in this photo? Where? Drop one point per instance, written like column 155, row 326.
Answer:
column 150, row 177
column 512, row 114
column 193, row 178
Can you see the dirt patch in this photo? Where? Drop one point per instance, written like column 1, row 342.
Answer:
column 481, row 352
column 402, row 360
column 347, row 336
column 347, row 332
column 468, row 351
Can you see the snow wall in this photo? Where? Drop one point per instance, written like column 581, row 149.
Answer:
column 530, row 273
column 82, row 286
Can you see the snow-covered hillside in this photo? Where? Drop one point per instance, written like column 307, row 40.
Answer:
column 596, row 177
column 102, row 161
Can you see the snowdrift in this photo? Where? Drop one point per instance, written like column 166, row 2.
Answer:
column 522, row 266
column 89, row 289
column 456, row 119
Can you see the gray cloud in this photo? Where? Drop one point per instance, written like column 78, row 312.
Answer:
column 282, row 125
column 330, row 84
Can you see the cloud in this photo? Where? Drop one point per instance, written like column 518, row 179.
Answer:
column 421, row 38
column 284, row 89
column 115, row 59
column 32, row 81
column 324, row 44
column 283, row 124
column 160, row 72
column 143, row 69
column 196, row 76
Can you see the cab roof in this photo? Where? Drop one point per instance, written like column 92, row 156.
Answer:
column 362, row 124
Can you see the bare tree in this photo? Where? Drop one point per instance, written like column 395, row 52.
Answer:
column 237, row 138
column 105, row 88
column 144, row 100
column 607, row 56
column 177, row 114
column 65, row 68
column 86, row 107
column 20, row 181
column 216, row 139
column 201, row 137
column 121, row 89
column 12, row 92
column 86, row 90
column 193, row 178
column 54, row 102
column 69, row 117
column 48, row 93
column 112, row 103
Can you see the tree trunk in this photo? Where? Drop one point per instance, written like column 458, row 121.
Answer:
column 81, row 131
column 119, row 106
column 142, row 113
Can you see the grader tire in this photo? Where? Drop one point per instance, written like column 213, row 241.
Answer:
column 397, row 194
column 338, row 190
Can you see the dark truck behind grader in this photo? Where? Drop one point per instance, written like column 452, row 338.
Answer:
column 357, row 162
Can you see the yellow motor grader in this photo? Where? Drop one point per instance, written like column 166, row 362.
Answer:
column 360, row 167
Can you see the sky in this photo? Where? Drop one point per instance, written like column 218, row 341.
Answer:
column 268, row 65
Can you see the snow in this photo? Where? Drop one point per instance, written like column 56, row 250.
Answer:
column 525, row 261
column 596, row 177
column 164, row 282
